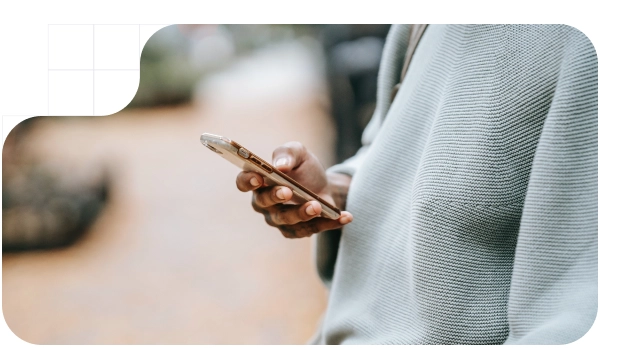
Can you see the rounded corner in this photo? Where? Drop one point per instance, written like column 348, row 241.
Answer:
column 129, row 101
column 150, row 37
column 4, row 318
column 14, row 128
column 587, row 330
column 587, row 38
column 139, row 75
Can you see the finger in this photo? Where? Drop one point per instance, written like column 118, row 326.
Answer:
column 288, row 214
column 308, row 228
column 289, row 156
column 248, row 181
column 268, row 196
column 268, row 218
column 257, row 208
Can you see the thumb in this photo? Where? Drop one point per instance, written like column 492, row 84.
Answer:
column 289, row 156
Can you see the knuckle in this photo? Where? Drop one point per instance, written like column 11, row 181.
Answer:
column 292, row 230
column 313, row 226
column 239, row 183
column 268, row 219
column 279, row 217
column 276, row 218
column 287, row 232
column 256, row 199
column 261, row 199
column 255, row 205
column 296, row 217
column 289, row 215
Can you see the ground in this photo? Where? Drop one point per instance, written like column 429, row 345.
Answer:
column 178, row 256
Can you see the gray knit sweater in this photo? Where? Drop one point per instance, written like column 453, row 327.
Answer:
column 475, row 194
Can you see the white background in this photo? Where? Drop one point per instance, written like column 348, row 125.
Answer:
column 30, row 70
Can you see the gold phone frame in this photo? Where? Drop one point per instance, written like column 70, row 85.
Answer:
column 248, row 161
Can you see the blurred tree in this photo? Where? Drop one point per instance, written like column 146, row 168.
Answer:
column 43, row 205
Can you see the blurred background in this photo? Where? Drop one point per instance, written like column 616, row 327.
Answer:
column 123, row 229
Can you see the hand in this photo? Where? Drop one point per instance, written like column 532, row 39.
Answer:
column 292, row 219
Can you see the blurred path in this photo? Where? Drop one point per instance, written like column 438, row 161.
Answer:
column 178, row 256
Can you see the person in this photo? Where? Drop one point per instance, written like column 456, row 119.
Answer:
column 471, row 209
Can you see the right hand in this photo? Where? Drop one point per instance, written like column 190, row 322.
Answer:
column 292, row 219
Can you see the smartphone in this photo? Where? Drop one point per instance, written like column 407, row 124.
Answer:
column 248, row 161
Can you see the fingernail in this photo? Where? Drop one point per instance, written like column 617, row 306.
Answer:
column 281, row 162
column 254, row 181
column 310, row 210
column 345, row 219
column 280, row 194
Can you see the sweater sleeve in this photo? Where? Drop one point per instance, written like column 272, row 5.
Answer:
column 554, row 288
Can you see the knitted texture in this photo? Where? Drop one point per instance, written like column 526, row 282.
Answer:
column 474, row 196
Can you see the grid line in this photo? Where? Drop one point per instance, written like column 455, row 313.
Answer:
column 90, row 70
column 48, row 70
column 93, row 70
